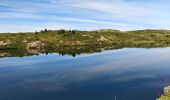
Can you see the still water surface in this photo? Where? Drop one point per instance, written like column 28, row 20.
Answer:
column 124, row 74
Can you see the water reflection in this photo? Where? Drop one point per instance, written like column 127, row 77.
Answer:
column 128, row 74
column 68, row 50
column 71, row 51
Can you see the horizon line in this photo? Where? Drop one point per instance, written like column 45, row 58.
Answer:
column 88, row 30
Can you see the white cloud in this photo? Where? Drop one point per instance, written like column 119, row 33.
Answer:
column 120, row 14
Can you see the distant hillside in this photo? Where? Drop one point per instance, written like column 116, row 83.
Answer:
column 107, row 30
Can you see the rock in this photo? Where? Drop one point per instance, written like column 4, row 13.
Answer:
column 4, row 54
column 36, row 45
column 3, row 43
column 61, row 41
column 166, row 94
column 102, row 38
column 76, row 43
column 86, row 35
column 167, row 90
column 25, row 41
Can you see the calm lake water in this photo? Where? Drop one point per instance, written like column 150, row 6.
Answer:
column 123, row 74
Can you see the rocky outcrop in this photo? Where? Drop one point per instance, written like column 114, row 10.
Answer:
column 166, row 94
column 167, row 90
column 5, row 43
column 36, row 45
column 4, row 54
column 102, row 38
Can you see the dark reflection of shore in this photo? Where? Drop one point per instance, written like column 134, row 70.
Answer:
column 72, row 51
column 69, row 50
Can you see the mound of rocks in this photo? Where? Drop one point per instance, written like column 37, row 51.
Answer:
column 36, row 45
column 102, row 38
column 167, row 90
column 5, row 43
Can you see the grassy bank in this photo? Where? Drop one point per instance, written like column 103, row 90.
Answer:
column 58, row 38
column 165, row 97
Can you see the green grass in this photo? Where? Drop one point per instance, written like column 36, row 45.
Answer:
column 139, row 38
column 166, row 97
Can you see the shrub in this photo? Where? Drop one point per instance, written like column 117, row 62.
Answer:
column 45, row 30
column 62, row 31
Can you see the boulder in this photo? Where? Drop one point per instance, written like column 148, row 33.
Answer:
column 25, row 41
column 102, row 38
column 167, row 90
column 4, row 54
column 3, row 43
column 36, row 45
column 166, row 94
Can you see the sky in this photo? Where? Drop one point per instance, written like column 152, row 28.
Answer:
column 34, row 15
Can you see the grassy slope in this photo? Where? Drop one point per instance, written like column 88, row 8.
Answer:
column 141, row 38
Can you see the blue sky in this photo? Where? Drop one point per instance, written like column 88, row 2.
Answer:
column 32, row 15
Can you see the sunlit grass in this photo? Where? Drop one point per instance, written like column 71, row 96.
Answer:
column 139, row 38
column 166, row 97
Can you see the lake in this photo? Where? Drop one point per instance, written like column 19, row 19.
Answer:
column 122, row 74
